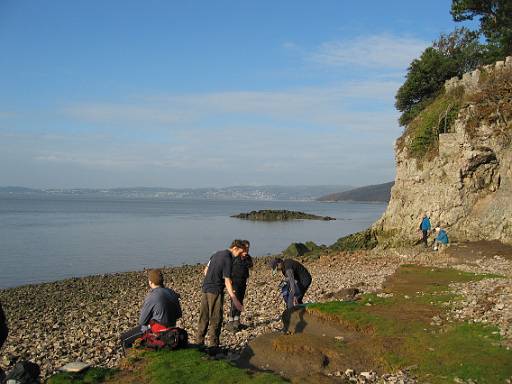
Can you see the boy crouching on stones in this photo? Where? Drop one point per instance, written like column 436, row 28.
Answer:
column 161, row 305
column 239, row 275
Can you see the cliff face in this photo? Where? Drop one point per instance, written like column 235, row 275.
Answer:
column 466, row 186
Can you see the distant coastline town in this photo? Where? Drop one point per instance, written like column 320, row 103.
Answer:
column 261, row 193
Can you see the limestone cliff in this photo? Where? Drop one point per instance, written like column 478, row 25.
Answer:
column 465, row 179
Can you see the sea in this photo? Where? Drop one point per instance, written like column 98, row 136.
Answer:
column 48, row 238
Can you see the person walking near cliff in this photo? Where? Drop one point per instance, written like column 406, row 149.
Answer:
column 218, row 274
column 161, row 306
column 297, row 280
column 239, row 275
column 425, row 228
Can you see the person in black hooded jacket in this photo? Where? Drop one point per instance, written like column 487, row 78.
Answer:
column 239, row 275
column 297, row 280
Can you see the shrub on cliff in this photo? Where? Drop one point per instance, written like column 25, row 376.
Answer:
column 451, row 55
column 438, row 117
column 492, row 104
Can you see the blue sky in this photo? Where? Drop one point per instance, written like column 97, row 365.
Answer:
column 205, row 93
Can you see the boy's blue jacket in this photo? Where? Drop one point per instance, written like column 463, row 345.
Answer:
column 425, row 224
column 442, row 237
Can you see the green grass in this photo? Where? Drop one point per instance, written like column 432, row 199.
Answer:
column 189, row 366
column 398, row 331
column 90, row 376
column 170, row 367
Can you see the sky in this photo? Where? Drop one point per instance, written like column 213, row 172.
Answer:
column 179, row 94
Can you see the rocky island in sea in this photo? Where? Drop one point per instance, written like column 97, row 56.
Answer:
column 279, row 215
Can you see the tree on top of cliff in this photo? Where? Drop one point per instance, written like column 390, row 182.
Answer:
column 495, row 21
column 451, row 55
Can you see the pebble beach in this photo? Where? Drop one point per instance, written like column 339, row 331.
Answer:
column 81, row 319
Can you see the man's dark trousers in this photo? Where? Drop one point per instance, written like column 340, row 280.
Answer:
column 425, row 237
column 128, row 337
column 239, row 287
column 210, row 318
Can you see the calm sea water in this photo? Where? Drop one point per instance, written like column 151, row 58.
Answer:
column 49, row 238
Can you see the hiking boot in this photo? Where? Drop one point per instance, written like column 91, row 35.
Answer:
column 214, row 350
column 242, row 326
column 230, row 326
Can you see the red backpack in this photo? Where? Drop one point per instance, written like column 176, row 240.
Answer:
column 160, row 336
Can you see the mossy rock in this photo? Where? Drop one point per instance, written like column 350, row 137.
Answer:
column 356, row 241
column 296, row 249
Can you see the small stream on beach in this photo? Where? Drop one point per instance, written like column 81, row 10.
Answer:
column 50, row 238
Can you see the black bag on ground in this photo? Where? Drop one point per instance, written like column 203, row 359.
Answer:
column 172, row 338
column 175, row 338
column 24, row 372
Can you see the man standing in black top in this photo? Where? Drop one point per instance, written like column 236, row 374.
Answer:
column 297, row 280
column 217, row 275
column 3, row 327
column 239, row 276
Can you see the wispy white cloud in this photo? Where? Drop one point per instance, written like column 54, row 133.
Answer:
column 375, row 51
column 108, row 112
column 318, row 106
column 6, row 114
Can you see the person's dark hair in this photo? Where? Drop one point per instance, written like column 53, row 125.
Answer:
column 246, row 243
column 275, row 262
column 156, row 277
column 237, row 243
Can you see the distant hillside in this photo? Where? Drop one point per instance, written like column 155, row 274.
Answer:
column 378, row 192
column 264, row 192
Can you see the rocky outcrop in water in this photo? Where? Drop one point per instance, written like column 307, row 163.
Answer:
column 279, row 215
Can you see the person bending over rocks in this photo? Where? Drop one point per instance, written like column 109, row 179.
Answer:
column 218, row 274
column 239, row 275
column 297, row 280
column 441, row 240
column 161, row 305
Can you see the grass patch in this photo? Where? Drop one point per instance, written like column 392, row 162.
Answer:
column 186, row 366
column 90, row 376
column 189, row 366
column 398, row 331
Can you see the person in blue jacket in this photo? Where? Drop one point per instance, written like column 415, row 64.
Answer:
column 425, row 228
column 441, row 240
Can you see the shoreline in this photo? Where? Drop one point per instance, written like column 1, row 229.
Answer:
column 58, row 322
